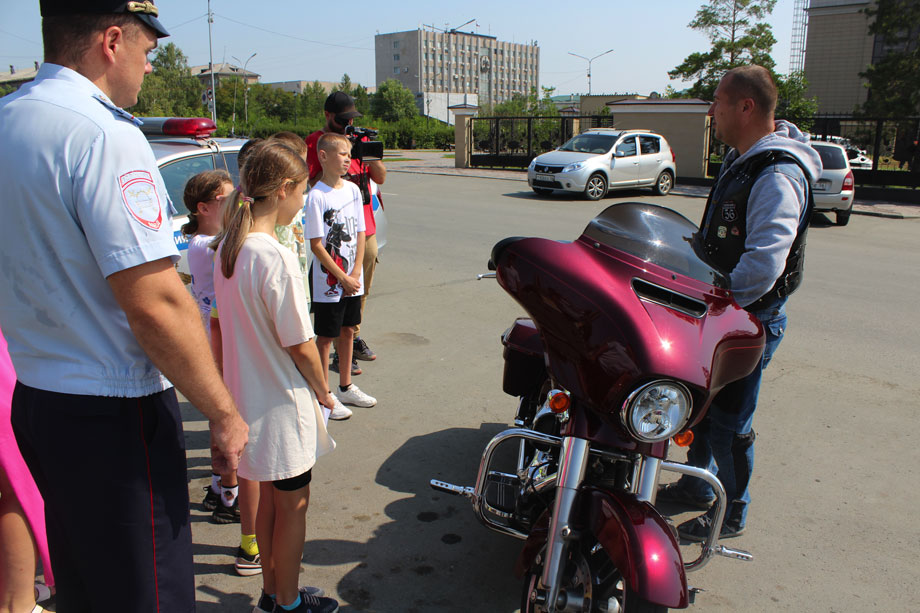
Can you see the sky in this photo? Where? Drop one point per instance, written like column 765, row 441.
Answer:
column 298, row 40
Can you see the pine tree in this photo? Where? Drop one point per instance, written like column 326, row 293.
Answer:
column 739, row 35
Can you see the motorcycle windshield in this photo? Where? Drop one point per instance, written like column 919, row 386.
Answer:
column 657, row 235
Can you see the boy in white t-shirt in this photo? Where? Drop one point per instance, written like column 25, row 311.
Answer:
column 335, row 228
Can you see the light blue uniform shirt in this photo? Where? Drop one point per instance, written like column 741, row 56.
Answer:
column 80, row 199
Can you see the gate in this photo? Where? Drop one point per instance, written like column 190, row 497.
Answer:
column 882, row 151
column 511, row 142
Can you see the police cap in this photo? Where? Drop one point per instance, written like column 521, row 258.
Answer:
column 145, row 11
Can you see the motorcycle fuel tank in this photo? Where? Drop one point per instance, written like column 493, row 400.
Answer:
column 631, row 301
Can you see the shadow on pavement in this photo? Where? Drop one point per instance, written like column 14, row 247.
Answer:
column 564, row 196
column 433, row 555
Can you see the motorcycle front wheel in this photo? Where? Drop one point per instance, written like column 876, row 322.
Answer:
column 591, row 584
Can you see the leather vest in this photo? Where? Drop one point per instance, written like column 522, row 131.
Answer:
column 726, row 213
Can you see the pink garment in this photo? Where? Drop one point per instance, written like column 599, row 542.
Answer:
column 15, row 467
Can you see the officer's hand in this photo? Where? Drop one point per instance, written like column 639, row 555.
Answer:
column 228, row 437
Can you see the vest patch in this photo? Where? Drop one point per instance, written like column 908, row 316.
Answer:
column 139, row 194
column 722, row 232
column 729, row 212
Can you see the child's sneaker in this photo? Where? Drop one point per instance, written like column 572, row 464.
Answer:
column 361, row 351
column 339, row 412
column 334, row 366
column 226, row 515
column 312, row 604
column 211, row 499
column 247, row 565
column 355, row 397
column 267, row 603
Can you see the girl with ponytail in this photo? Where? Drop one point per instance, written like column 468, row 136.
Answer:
column 272, row 367
column 204, row 194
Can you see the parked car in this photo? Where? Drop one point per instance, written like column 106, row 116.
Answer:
column 859, row 158
column 604, row 159
column 184, row 147
column 835, row 188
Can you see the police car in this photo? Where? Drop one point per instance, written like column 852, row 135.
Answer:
column 183, row 147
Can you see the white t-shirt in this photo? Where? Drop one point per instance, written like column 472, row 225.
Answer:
column 336, row 216
column 201, row 267
column 263, row 308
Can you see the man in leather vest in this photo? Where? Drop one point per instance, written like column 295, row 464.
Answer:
column 753, row 230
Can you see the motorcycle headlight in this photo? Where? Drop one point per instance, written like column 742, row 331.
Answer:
column 575, row 166
column 656, row 411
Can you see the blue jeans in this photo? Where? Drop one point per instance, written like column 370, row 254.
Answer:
column 723, row 442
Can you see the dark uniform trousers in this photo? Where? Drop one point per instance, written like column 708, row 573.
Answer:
column 112, row 472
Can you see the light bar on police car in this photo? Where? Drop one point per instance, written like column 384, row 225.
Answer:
column 194, row 127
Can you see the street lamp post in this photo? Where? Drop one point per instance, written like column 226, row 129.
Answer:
column 213, row 101
column 589, row 60
column 245, row 93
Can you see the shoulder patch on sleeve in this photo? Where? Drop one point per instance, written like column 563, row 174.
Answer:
column 139, row 193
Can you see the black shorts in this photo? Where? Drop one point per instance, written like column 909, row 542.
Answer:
column 112, row 472
column 330, row 317
column 294, row 483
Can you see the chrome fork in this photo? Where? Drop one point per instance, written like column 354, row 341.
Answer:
column 572, row 465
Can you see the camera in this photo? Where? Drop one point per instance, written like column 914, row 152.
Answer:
column 363, row 145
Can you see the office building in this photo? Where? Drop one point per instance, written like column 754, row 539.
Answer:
column 451, row 67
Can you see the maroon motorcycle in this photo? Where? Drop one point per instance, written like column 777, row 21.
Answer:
column 630, row 336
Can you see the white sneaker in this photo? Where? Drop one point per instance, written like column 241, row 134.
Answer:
column 355, row 397
column 340, row 411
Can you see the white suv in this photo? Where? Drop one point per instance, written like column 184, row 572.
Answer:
column 604, row 159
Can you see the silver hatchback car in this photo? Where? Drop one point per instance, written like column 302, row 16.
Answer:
column 604, row 159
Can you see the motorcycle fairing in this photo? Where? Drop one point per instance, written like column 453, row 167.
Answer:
column 641, row 544
column 601, row 335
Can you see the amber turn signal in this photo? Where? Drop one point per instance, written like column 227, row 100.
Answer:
column 559, row 402
column 683, row 439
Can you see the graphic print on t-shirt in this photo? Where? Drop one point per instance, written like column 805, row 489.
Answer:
column 337, row 236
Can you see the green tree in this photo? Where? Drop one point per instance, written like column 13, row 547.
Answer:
column 345, row 85
column 362, row 99
column 894, row 81
column 393, row 102
column 792, row 104
column 170, row 90
column 738, row 34
column 311, row 102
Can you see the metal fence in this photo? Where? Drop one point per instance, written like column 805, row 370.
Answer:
column 511, row 142
column 891, row 146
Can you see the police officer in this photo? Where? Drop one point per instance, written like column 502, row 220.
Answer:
column 753, row 229
column 98, row 323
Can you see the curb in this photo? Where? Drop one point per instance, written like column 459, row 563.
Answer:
column 452, row 174
column 878, row 214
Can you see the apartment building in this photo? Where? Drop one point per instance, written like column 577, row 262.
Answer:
column 447, row 68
